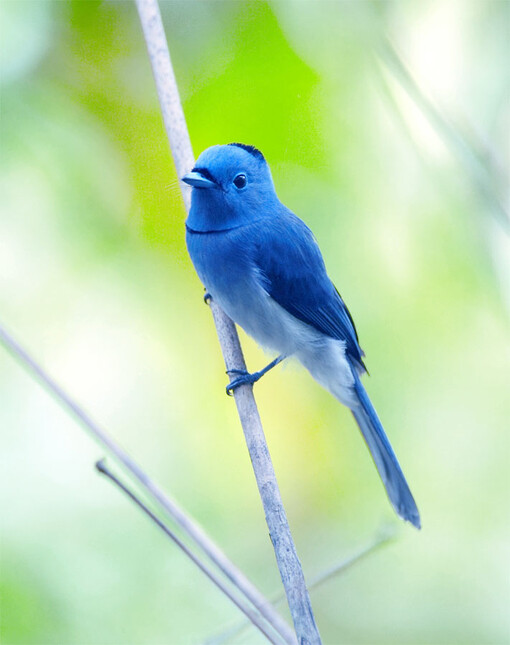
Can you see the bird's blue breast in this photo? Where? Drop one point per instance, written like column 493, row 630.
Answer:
column 220, row 260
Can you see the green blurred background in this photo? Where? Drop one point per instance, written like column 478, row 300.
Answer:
column 400, row 170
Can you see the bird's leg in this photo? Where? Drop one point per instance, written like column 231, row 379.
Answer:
column 245, row 377
column 207, row 297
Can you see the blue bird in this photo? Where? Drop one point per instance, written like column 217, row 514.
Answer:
column 262, row 265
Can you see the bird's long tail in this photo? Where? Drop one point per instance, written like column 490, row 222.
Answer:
column 384, row 457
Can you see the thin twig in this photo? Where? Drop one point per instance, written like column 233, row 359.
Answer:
column 193, row 530
column 319, row 580
column 341, row 567
column 247, row 611
column 285, row 551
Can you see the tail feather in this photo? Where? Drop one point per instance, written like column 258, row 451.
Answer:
column 382, row 453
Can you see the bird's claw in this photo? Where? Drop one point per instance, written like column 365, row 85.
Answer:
column 243, row 379
column 207, row 297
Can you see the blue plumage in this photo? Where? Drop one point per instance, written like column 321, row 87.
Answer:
column 263, row 266
column 292, row 266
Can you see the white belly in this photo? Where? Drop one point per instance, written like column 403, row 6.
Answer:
column 277, row 330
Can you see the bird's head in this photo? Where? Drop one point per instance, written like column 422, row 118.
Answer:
column 232, row 186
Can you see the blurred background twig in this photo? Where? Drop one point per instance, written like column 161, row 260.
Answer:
column 252, row 616
column 314, row 582
column 189, row 526
column 481, row 164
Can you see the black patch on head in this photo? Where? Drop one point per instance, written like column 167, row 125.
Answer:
column 255, row 152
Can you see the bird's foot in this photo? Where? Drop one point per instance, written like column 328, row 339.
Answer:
column 243, row 379
column 207, row 297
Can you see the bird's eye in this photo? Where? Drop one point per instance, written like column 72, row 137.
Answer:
column 240, row 181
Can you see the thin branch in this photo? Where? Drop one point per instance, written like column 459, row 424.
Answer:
column 312, row 585
column 247, row 611
column 285, row 551
column 193, row 530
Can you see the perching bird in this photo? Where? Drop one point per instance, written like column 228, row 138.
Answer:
column 262, row 265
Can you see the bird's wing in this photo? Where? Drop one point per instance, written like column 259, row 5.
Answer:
column 293, row 273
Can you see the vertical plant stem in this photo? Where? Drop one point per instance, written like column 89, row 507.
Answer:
column 285, row 551
column 288, row 562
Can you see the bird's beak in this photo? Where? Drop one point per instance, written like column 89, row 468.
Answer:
column 197, row 180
